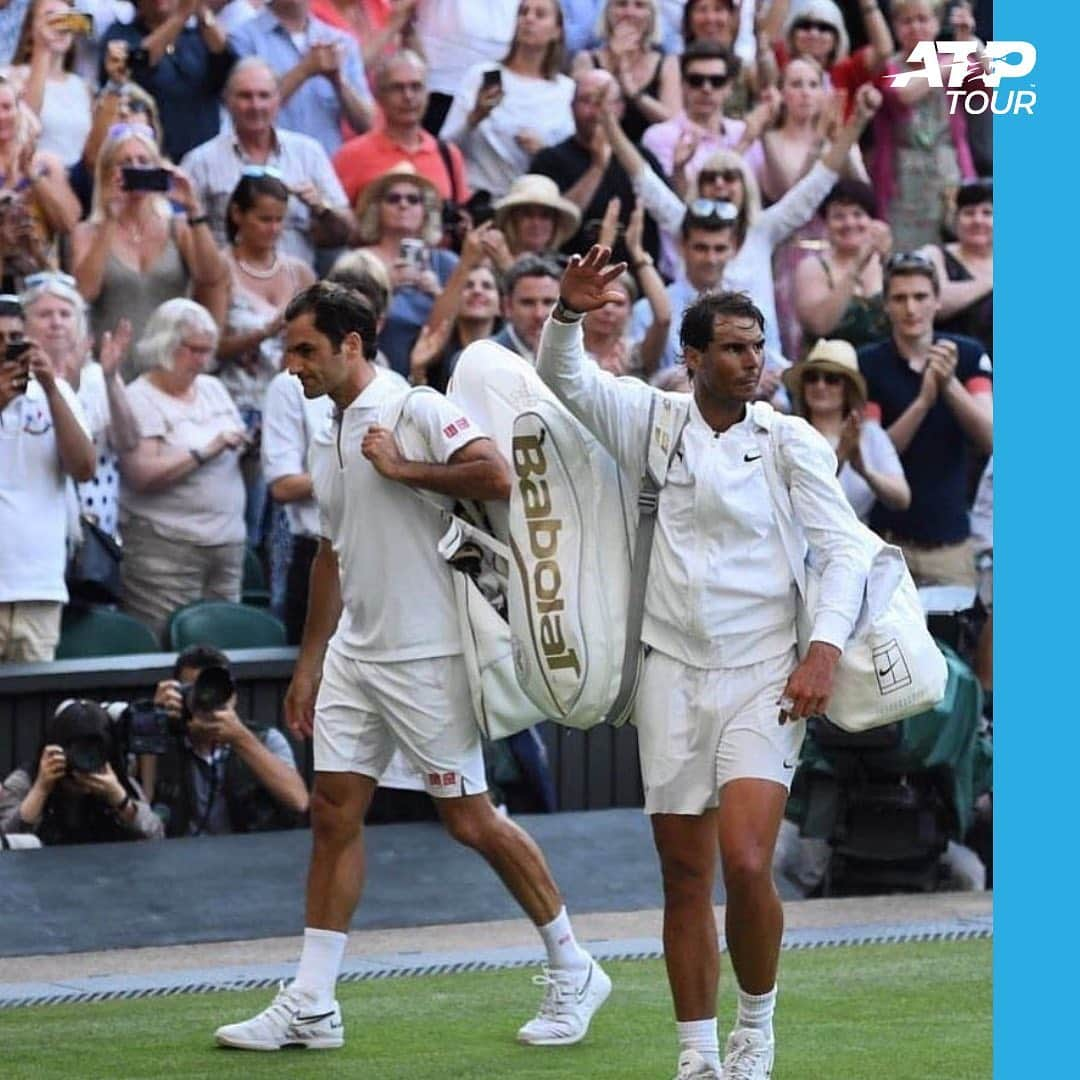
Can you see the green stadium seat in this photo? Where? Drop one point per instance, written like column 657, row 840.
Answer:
column 254, row 591
column 224, row 625
column 101, row 631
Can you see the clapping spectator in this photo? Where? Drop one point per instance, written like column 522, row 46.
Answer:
column 966, row 266
column 321, row 75
column 631, row 31
column 78, row 790
column 134, row 253
column 44, row 439
column 838, row 289
column 182, row 66
column 828, row 389
column 56, row 319
column 379, row 27
column 261, row 282
column 48, row 84
column 399, row 219
column 181, row 489
column 501, row 121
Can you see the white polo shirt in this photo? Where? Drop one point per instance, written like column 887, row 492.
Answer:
column 397, row 594
column 33, row 497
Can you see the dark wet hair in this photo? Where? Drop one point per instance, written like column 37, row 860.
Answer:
column 696, row 331
column 247, row 190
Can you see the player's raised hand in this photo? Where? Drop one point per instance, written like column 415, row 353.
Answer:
column 585, row 282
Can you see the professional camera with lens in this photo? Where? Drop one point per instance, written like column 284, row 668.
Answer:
column 150, row 728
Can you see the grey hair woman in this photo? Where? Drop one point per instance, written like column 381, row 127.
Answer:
column 182, row 490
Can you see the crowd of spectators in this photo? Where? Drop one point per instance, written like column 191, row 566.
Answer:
column 173, row 171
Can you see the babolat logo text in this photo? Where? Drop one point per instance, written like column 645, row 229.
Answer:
column 543, row 526
column 958, row 67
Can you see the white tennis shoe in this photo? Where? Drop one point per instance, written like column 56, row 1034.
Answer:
column 748, row 1055
column 571, row 997
column 289, row 1020
column 693, row 1066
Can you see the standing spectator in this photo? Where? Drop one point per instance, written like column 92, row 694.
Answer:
column 921, row 151
column 838, row 289
column 322, row 80
column 56, row 319
column 261, row 282
column 534, row 217
column 37, row 206
column 183, row 67
column 630, row 31
column 830, row 392
column 44, row 439
column 399, row 219
column 980, row 126
column 134, row 253
column 317, row 214
column 12, row 18
column 501, row 125
column 379, row 27
column 181, row 489
column 531, row 288
column 48, row 84
column 966, row 266
column 933, row 392
column 402, row 95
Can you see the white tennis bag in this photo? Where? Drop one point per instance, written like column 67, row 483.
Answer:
column 891, row 666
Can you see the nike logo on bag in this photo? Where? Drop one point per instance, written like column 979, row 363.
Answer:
column 312, row 1019
column 749, row 457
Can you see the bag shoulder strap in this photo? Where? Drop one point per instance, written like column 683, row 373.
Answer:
column 667, row 420
column 448, row 165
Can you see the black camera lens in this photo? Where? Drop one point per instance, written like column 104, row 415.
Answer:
column 212, row 689
column 86, row 755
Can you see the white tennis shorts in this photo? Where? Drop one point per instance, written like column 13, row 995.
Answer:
column 699, row 728
column 364, row 710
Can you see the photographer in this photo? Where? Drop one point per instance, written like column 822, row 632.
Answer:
column 217, row 774
column 78, row 791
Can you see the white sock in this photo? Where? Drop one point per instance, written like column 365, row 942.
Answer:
column 700, row 1035
column 320, row 961
column 562, row 948
column 756, row 1011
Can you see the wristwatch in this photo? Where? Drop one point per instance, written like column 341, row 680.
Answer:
column 563, row 313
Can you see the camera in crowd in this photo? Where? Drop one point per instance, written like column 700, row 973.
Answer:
column 149, row 729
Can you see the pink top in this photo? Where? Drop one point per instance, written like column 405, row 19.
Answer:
column 661, row 139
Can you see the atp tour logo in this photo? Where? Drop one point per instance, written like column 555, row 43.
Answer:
column 1000, row 59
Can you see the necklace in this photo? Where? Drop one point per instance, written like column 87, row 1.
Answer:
column 255, row 272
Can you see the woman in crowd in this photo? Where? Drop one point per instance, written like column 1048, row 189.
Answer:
column 399, row 219
column 830, row 392
column 261, row 283
column 134, row 253
column 56, row 320
column 652, row 88
column 78, row 790
column 921, row 151
column 838, row 289
column 181, row 489
column 534, row 217
column 965, row 267
column 36, row 203
column 501, row 123
column 44, row 62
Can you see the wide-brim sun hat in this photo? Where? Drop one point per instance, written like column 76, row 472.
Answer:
column 827, row 355
column 403, row 170
column 535, row 190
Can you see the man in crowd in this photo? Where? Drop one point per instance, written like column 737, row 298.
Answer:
column 934, row 394
column 401, row 92
column 586, row 170
column 321, row 72
column 720, row 617
column 222, row 775
column 531, row 287
column 380, row 666
column 317, row 214
column 44, row 439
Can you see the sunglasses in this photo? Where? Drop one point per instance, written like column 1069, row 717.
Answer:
column 829, row 378
column 48, row 277
column 122, row 131
column 259, row 171
column 814, row 24
column 697, row 81
column 710, row 176
column 714, row 208
column 905, row 259
column 402, row 198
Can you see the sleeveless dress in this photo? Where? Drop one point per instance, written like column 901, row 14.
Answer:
column 977, row 319
column 634, row 121
column 863, row 320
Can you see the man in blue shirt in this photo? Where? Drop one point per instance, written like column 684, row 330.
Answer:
column 321, row 72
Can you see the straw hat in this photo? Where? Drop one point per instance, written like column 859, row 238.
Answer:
column 535, row 190
column 827, row 355
column 403, row 170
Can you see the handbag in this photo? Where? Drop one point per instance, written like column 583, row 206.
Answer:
column 93, row 572
column 890, row 667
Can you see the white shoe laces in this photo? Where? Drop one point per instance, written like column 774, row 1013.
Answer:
column 282, row 1008
column 557, row 983
column 744, row 1058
